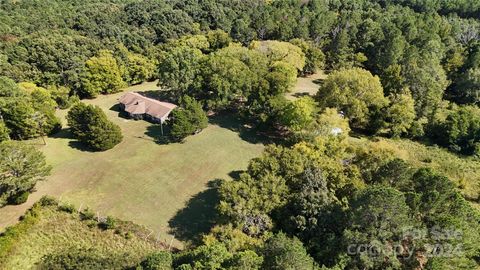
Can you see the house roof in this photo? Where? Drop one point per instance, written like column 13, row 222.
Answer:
column 138, row 104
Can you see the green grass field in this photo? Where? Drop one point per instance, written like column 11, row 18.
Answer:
column 164, row 187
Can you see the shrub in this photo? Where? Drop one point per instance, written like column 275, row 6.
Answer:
column 157, row 261
column 48, row 200
column 69, row 208
column 19, row 198
column 87, row 214
column 108, row 224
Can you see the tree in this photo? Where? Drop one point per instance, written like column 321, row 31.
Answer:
column 299, row 114
column 378, row 218
column 355, row 92
column 427, row 81
column 314, row 57
column 278, row 51
column 188, row 120
column 139, row 68
column 179, row 67
column 400, row 114
column 21, row 167
column 102, row 74
column 461, row 130
column 284, row 253
column 90, row 125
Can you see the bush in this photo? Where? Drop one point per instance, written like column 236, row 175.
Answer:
column 92, row 127
column 87, row 214
column 157, row 261
column 69, row 208
column 108, row 224
column 19, row 198
column 48, row 200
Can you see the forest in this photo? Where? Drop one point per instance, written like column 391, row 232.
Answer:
column 314, row 199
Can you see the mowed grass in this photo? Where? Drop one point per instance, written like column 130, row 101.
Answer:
column 139, row 180
column 307, row 85
column 57, row 231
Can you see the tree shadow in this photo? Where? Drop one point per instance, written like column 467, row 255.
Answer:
column 235, row 123
column 301, row 94
column 199, row 215
column 162, row 95
column 159, row 134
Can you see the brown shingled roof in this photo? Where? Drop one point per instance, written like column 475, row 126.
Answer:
column 138, row 104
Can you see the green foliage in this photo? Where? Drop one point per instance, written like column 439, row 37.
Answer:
column 108, row 224
column 314, row 56
column 188, row 120
column 282, row 252
column 178, row 68
column 4, row 132
column 91, row 126
column 379, row 217
column 299, row 114
column 277, row 51
column 157, row 261
column 401, row 114
column 204, row 257
column 78, row 259
column 21, row 167
column 461, row 130
column 102, row 75
column 19, row 198
column 356, row 92
column 245, row 260
column 28, row 111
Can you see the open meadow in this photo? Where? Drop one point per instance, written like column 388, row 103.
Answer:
column 166, row 187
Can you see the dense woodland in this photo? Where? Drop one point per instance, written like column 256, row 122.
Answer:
column 396, row 68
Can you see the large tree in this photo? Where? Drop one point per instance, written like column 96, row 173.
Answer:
column 284, row 253
column 188, row 119
column 91, row 126
column 21, row 167
column 355, row 92
column 102, row 75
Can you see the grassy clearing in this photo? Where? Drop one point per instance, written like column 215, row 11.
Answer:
column 46, row 230
column 307, row 85
column 141, row 180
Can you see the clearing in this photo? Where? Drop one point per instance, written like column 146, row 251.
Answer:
column 164, row 187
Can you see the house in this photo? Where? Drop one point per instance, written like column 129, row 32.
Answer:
column 140, row 107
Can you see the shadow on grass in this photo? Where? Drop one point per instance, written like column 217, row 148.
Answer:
column 199, row 215
column 159, row 134
column 66, row 134
column 237, row 124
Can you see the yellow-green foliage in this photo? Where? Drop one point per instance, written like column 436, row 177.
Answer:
column 45, row 230
column 460, row 169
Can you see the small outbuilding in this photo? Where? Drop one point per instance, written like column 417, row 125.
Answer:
column 140, row 107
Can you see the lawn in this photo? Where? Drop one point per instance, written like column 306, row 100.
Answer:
column 140, row 180
column 307, row 85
